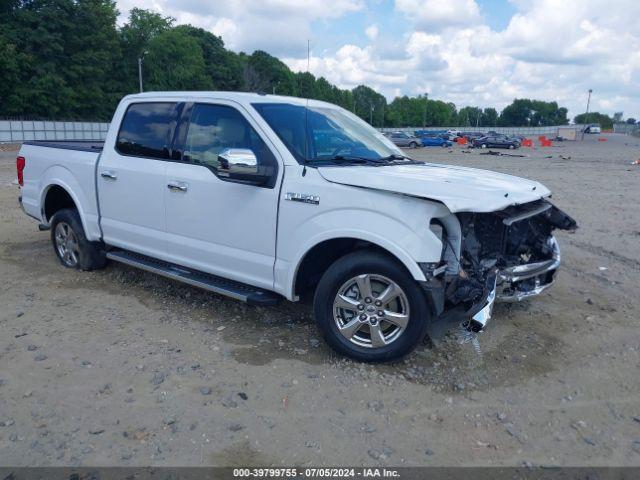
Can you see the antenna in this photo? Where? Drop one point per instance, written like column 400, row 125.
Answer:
column 306, row 115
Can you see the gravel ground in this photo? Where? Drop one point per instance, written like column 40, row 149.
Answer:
column 119, row 367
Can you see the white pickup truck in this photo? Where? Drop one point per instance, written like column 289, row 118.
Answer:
column 263, row 197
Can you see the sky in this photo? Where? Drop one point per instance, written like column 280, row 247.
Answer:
column 470, row 52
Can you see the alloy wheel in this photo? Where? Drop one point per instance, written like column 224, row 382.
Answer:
column 67, row 244
column 371, row 310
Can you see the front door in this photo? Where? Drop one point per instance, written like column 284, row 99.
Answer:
column 131, row 179
column 214, row 224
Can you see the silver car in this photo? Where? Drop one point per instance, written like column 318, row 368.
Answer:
column 403, row 139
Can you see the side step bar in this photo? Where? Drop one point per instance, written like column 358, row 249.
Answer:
column 230, row 288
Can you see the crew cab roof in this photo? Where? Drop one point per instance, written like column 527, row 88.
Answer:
column 239, row 97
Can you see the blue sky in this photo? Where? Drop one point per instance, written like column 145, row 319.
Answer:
column 470, row 52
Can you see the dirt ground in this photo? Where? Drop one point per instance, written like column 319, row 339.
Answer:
column 119, row 367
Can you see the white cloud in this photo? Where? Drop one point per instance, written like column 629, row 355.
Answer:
column 433, row 15
column 280, row 27
column 550, row 49
column 372, row 32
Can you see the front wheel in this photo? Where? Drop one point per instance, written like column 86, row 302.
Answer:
column 484, row 145
column 369, row 308
column 413, row 145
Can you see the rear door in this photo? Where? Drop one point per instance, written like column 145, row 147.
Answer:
column 215, row 224
column 131, row 178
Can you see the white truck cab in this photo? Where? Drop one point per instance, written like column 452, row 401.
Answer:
column 263, row 197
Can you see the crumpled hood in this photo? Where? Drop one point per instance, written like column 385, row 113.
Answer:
column 461, row 189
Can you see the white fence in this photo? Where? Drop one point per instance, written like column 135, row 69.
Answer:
column 526, row 131
column 13, row 131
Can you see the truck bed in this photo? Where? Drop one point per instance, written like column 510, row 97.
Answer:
column 81, row 145
column 70, row 165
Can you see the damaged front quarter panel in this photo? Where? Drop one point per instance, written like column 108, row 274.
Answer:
column 508, row 255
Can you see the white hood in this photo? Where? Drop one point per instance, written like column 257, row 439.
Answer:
column 461, row 189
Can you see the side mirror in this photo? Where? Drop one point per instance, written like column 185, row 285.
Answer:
column 241, row 165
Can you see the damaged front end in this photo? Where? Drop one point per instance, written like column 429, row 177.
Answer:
column 509, row 255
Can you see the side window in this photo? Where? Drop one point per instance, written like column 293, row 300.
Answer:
column 214, row 128
column 146, row 128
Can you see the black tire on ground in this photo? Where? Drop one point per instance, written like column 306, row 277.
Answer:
column 359, row 263
column 413, row 145
column 90, row 255
column 512, row 146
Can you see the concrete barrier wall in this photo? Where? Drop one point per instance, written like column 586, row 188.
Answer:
column 12, row 131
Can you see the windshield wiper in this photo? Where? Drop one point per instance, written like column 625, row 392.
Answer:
column 396, row 157
column 354, row 159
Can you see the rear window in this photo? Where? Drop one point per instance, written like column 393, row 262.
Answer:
column 146, row 130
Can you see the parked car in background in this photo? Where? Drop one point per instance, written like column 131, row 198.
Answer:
column 471, row 135
column 595, row 128
column 449, row 136
column 441, row 140
column 402, row 139
column 519, row 138
column 491, row 141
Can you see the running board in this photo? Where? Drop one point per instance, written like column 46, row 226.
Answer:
column 212, row 283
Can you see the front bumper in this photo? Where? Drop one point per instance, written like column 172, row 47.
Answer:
column 524, row 281
column 514, row 284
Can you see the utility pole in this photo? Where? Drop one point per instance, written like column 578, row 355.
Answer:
column 371, row 114
column 140, row 58
column 586, row 115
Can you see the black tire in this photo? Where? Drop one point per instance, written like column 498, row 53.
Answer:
column 359, row 263
column 89, row 255
column 413, row 145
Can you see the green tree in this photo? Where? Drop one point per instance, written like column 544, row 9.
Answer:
column 222, row 66
column 135, row 36
column 10, row 76
column 265, row 73
column 518, row 114
column 367, row 104
column 604, row 120
column 305, row 85
column 470, row 117
column 175, row 62
column 489, row 117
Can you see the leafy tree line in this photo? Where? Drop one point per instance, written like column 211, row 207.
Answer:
column 67, row 59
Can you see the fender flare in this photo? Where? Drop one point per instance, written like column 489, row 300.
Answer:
column 52, row 178
column 397, row 252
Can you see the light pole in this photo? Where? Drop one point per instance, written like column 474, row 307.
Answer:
column 586, row 115
column 140, row 58
column 371, row 114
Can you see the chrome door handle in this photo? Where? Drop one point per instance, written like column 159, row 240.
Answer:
column 177, row 186
column 109, row 174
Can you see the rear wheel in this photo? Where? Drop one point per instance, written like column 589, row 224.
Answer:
column 71, row 245
column 369, row 308
column 413, row 145
column 512, row 146
column 484, row 145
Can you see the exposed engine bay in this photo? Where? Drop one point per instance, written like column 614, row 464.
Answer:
column 507, row 255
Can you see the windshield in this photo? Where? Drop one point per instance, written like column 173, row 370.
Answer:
column 321, row 135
